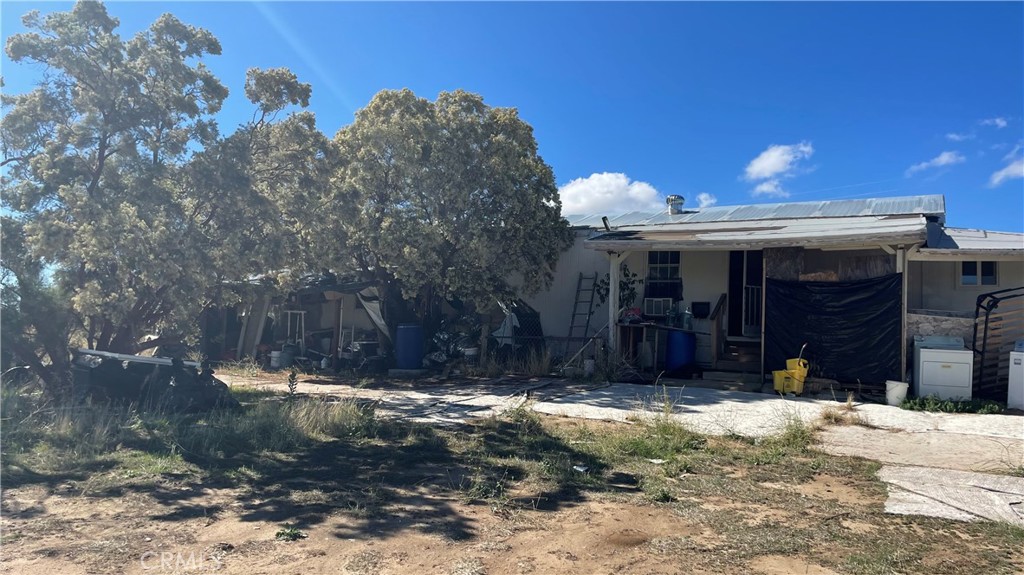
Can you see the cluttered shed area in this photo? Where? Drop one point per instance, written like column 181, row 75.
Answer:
column 331, row 326
column 318, row 326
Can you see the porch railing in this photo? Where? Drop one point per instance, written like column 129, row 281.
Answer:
column 998, row 323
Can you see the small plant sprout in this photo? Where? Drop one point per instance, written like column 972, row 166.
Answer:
column 290, row 533
column 293, row 383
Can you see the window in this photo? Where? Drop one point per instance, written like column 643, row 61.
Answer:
column 978, row 274
column 663, row 275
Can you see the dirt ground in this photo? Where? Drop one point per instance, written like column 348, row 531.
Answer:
column 552, row 502
column 747, row 518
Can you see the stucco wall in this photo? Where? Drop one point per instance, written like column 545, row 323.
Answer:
column 935, row 285
column 555, row 304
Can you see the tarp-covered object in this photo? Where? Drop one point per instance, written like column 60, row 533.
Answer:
column 852, row 328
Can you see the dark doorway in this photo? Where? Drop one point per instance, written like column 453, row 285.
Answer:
column 746, row 272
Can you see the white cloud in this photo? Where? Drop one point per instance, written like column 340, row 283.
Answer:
column 1010, row 172
column 770, row 188
column 953, row 137
column 999, row 123
column 608, row 193
column 777, row 160
column 706, row 200
column 1013, row 170
column 1012, row 154
column 943, row 159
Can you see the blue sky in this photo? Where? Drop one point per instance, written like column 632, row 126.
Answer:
column 731, row 102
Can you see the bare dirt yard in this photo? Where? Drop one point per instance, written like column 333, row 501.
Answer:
column 327, row 485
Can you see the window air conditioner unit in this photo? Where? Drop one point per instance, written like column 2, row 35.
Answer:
column 657, row 306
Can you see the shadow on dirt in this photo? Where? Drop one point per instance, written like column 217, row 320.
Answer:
column 402, row 477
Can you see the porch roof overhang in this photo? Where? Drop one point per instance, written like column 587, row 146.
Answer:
column 969, row 244
column 796, row 232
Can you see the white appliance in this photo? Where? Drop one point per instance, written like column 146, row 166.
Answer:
column 943, row 367
column 657, row 306
column 1015, row 392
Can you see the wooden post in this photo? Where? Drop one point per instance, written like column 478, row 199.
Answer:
column 764, row 300
column 614, row 275
column 901, row 268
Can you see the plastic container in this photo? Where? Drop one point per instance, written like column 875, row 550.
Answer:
column 409, row 346
column 589, row 366
column 797, row 368
column 786, row 383
column 286, row 358
column 680, row 350
column 895, row 392
column 275, row 360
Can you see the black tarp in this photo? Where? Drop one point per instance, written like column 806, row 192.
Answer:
column 852, row 328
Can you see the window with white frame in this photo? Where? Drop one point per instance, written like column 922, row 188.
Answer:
column 978, row 273
column 663, row 275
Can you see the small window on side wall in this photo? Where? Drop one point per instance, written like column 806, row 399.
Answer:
column 978, row 274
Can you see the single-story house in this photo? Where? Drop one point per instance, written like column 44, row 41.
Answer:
column 855, row 280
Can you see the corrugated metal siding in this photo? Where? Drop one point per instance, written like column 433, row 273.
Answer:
column 924, row 205
column 968, row 239
column 795, row 232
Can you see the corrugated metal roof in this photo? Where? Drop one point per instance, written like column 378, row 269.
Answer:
column 931, row 205
column 969, row 239
column 810, row 232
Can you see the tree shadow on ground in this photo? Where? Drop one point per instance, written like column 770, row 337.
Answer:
column 404, row 477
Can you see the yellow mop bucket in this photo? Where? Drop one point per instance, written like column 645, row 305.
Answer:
column 791, row 379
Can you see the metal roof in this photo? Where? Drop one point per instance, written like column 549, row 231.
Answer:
column 980, row 240
column 955, row 244
column 931, row 205
column 791, row 232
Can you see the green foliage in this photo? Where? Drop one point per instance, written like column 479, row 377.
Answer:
column 289, row 533
column 660, row 438
column 293, row 384
column 933, row 403
column 118, row 179
column 629, row 287
column 444, row 199
column 57, row 437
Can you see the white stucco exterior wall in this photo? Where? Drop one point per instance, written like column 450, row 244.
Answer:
column 936, row 285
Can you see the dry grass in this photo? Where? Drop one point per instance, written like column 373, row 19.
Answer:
column 748, row 498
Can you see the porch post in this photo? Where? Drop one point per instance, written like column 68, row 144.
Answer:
column 901, row 267
column 614, row 274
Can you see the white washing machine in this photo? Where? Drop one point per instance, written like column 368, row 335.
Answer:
column 1015, row 392
column 943, row 367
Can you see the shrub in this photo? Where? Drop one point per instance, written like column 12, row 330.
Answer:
column 933, row 403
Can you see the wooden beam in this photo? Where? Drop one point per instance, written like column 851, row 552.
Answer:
column 901, row 268
column 615, row 260
column 764, row 301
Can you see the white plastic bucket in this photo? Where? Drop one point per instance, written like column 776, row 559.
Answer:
column 275, row 359
column 589, row 366
column 895, row 392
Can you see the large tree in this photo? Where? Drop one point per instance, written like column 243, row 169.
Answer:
column 446, row 199
column 123, row 204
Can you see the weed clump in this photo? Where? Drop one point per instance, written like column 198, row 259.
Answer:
column 933, row 403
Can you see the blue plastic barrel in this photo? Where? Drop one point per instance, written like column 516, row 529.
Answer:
column 680, row 350
column 409, row 346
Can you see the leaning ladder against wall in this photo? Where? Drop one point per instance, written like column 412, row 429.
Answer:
column 582, row 310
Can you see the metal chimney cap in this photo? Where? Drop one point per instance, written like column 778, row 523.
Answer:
column 675, row 203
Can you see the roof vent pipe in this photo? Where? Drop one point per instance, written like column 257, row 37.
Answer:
column 675, row 204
